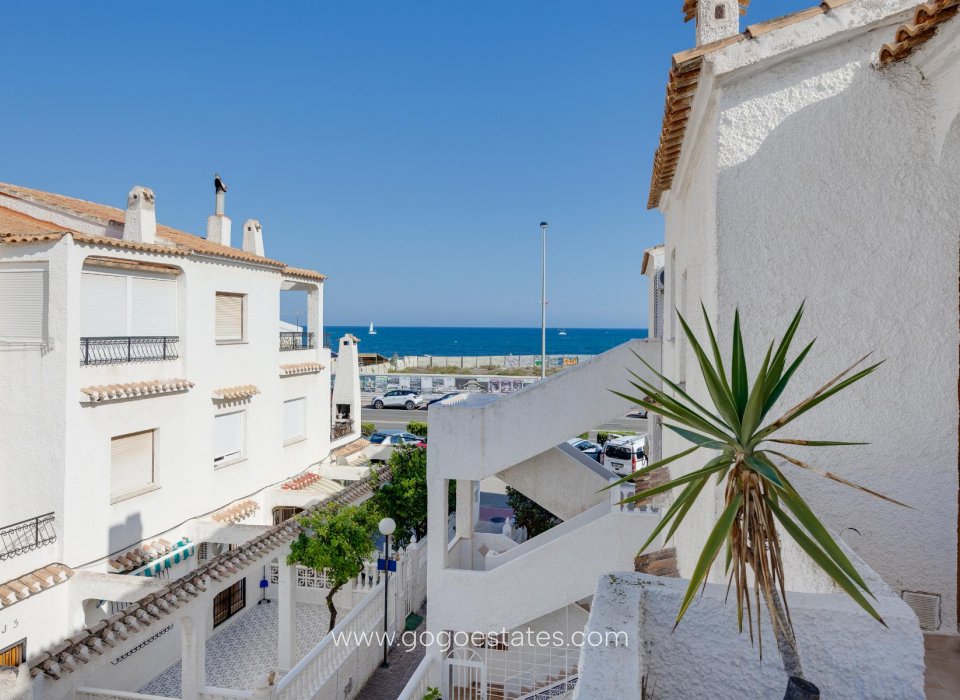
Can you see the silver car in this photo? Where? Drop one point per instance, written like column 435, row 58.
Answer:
column 398, row 398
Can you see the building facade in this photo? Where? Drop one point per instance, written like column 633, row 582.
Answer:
column 147, row 399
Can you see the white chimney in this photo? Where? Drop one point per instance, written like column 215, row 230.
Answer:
column 717, row 19
column 140, row 222
column 253, row 237
column 218, row 225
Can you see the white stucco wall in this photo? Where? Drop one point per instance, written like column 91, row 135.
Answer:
column 836, row 182
column 843, row 651
column 57, row 447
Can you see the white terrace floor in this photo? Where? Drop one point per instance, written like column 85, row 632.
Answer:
column 247, row 648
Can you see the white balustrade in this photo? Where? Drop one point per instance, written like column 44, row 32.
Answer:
column 102, row 694
column 419, row 683
column 209, row 693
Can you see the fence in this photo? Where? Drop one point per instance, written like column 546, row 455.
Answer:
column 479, row 361
column 419, row 683
column 440, row 384
column 27, row 535
column 122, row 349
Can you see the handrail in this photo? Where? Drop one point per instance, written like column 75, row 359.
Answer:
column 111, row 350
column 374, row 598
column 27, row 535
column 417, row 686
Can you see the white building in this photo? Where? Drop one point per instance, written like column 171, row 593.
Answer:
column 817, row 157
column 150, row 413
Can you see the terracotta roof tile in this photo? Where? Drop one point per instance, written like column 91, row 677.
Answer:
column 232, row 393
column 107, row 215
column 110, row 392
column 32, row 583
column 682, row 86
column 926, row 20
column 301, row 368
column 236, row 512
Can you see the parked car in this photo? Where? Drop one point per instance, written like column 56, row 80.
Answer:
column 396, row 437
column 625, row 455
column 399, row 398
column 588, row 448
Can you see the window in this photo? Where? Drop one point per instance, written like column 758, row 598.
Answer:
column 229, row 602
column 127, row 306
column 23, row 304
column 230, row 312
column 14, row 655
column 131, row 464
column 294, row 419
column 228, row 433
column 283, row 513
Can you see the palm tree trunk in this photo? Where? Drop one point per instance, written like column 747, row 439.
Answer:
column 331, row 607
column 798, row 688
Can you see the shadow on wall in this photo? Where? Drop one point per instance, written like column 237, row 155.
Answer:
column 125, row 535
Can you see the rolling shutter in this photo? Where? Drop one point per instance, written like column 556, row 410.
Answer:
column 229, row 317
column 153, row 306
column 293, row 419
column 23, row 305
column 104, row 305
column 228, row 437
column 131, row 463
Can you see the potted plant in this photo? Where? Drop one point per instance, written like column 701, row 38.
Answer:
column 747, row 458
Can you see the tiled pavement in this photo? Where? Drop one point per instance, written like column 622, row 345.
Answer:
column 386, row 683
column 943, row 673
column 246, row 649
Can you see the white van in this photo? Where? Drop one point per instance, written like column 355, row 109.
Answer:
column 626, row 455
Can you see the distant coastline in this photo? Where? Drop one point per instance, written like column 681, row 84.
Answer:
column 423, row 340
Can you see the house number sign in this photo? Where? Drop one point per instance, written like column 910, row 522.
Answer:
column 9, row 626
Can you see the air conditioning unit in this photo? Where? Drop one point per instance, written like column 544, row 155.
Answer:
column 926, row 606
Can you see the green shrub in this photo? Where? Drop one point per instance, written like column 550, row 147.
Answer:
column 603, row 435
column 367, row 429
column 417, row 428
column 584, row 436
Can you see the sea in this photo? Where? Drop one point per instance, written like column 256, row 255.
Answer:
column 446, row 341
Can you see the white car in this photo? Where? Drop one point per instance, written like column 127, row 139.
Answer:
column 626, row 455
column 398, row 398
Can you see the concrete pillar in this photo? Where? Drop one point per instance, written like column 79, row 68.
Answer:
column 253, row 237
column 286, row 615
column 193, row 658
column 140, row 221
column 467, row 505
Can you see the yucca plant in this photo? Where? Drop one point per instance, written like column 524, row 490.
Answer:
column 747, row 457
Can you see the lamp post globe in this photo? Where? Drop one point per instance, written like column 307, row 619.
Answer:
column 387, row 526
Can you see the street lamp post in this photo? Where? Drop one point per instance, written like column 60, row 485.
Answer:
column 543, row 299
column 387, row 526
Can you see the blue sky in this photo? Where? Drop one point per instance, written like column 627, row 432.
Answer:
column 406, row 148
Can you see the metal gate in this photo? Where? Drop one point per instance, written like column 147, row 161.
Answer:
column 464, row 676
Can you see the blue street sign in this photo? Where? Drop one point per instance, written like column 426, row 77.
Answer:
column 392, row 565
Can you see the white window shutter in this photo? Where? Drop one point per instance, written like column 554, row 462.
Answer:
column 228, row 437
column 131, row 463
column 153, row 309
column 23, row 305
column 229, row 325
column 103, row 301
column 293, row 419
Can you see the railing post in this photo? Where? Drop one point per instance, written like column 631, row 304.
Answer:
column 129, row 348
column 86, row 351
column 36, row 531
column 164, row 347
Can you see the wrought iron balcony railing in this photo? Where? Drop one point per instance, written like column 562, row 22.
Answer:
column 26, row 535
column 116, row 350
column 297, row 340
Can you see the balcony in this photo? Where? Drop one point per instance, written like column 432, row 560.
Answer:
column 297, row 340
column 122, row 349
column 26, row 536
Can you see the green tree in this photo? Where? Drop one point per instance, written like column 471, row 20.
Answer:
column 401, row 493
column 337, row 539
column 530, row 514
column 746, row 458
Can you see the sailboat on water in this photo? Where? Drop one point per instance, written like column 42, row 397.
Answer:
column 372, row 331
column 562, row 332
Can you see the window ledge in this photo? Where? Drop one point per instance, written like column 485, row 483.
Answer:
column 134, row 494
column 224, row 465
column 294, row 441
column 232, row 342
